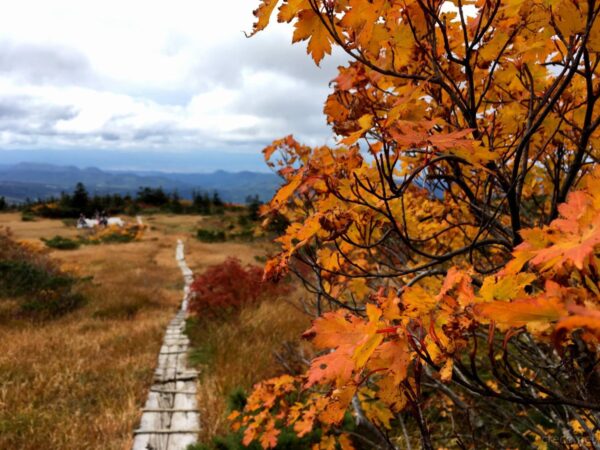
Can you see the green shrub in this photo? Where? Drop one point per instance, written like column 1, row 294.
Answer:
column 204, row 235
column 42, row 292
column 34, row 282
column 23, row 277
column 237, row 399
column 50, row 304
column 62, row 243
column 203, row 354
column 27, row 216
column 117, row 238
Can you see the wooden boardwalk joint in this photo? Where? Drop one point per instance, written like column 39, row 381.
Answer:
column 170, row 419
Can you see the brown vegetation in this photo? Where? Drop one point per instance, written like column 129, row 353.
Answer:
column 79, row 381
column 237, row 353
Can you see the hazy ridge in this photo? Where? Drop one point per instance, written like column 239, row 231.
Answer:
column 36, row 180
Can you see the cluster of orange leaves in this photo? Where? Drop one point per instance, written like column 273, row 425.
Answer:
column 559, row 261
column 462, row 90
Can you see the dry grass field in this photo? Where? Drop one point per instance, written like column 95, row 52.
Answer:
column 78, row 382
column 37, row 229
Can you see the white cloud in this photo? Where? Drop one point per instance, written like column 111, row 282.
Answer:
column 153, row 74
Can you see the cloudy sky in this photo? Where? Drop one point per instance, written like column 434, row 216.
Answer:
column 152, row 84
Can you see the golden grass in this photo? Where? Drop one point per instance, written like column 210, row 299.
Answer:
column 171, row 224
column 239, row 353
column 200, row 255
column 78, row 382
column 40, row 228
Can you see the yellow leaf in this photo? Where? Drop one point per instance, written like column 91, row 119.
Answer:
column 537, row 313
column 345, row 442
column 570, row 19
column 446, row 370
column 364, row 123
column 491, row 50
column 290, row 9
column 288, row 190
column 506, row 287
column 263, row 14
column 309, row 27
column 363, row 352
column 359, row 287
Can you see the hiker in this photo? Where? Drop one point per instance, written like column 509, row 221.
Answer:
column 81, row 222
column 103, row 219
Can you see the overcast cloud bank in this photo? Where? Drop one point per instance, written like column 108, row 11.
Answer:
column 153, row 75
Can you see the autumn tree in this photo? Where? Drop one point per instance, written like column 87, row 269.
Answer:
column 451, row 240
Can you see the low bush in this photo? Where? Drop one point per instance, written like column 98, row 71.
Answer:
column 43, row 291
column 202, row 354
column 62, row 243
column 117, row 238
column 205, row 235
column 47, row 304
column 116, row 235
column 226, row 287
column 23, row 277
column 27, row 217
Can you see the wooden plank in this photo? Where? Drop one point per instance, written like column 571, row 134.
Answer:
column 167, row 431
column 170, row 418
column 172, row 410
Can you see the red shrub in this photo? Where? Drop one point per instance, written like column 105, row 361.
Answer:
column 228, row 286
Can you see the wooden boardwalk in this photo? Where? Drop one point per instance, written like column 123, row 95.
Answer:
column 170, row 418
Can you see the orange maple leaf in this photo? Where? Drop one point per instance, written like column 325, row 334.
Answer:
column 309, row 27
column 268, row 438
column 536, row 313
column 335, row 367
column 263, row 15
column 583, row 318
column 570, row 239
column 353, row 339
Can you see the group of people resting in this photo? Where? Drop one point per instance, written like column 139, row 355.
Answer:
column 101, row 218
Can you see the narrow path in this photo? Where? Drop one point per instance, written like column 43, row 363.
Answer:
column 170, row 419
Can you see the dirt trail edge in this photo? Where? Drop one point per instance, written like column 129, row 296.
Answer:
column 170, row 419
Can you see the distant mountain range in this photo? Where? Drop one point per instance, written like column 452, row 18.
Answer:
column 34, row 180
